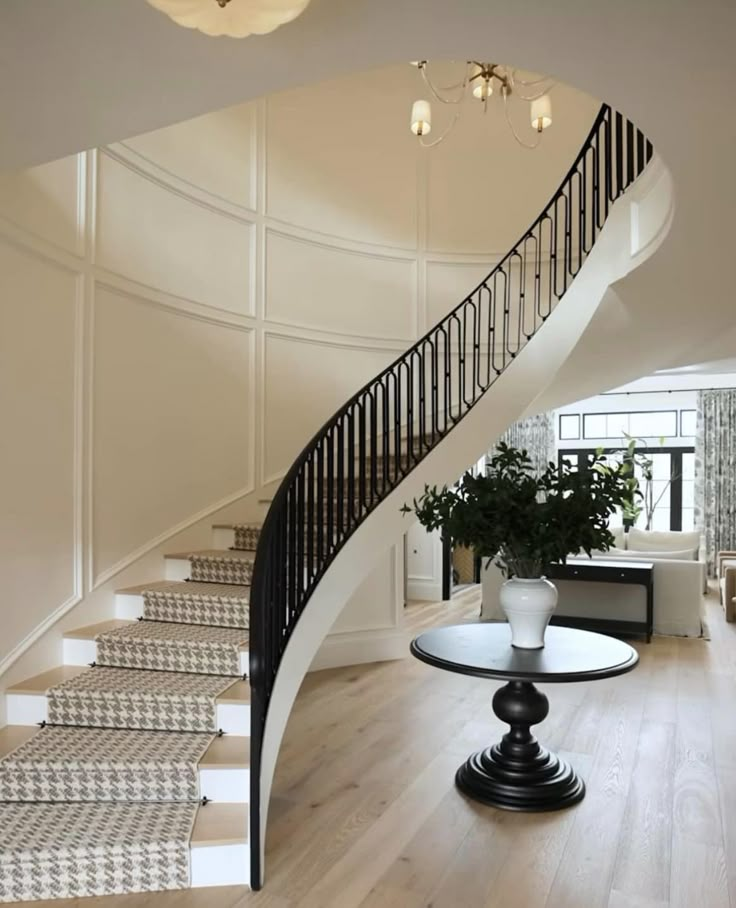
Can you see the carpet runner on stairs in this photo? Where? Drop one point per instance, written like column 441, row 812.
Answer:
column 102, row 800
column 106, row 697
column 246, row 536
column 103, row 849
column 217, row 566
column 167, row 646
column 94, row 764
column 189, row 602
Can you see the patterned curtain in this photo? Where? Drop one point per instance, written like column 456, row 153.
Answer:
column 715, row 472
column 537, row 435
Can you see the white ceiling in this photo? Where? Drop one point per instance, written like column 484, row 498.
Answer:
column 79, row 73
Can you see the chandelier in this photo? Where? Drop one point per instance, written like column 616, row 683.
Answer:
column 234, row 18
column 480, row 82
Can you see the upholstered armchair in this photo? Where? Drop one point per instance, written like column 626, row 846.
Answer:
column 727, row 583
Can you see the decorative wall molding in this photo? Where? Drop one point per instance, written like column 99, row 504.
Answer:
column 177, row 305
column 166, row 179
column 33, row 245
column 159, row 540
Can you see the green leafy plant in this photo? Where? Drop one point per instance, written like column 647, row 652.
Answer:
column 640, row 492
column 526, row 520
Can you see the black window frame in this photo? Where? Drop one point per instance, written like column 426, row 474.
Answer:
column 675, row 452
column 674, row 412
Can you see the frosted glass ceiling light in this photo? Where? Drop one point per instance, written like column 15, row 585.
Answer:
column 478, row 80
column 234, row 18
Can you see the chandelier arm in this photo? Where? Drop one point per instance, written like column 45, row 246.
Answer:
column 436, row 92
column 538, row 94
column 444, row 135
column 530, row 82
column 513, row 129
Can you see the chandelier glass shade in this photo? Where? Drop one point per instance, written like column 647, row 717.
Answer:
column 480, row 81
column 234, row 18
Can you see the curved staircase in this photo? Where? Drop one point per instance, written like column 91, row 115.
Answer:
column 158, row 738
column 126, row 770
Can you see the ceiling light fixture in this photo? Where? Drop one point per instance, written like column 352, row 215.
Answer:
column 234, row 18
column 479, row 81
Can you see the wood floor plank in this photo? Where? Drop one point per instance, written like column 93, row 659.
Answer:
column 699, row 876
column 644, row 853
column 350, row 880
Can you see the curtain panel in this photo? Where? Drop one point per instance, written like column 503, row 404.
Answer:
column 536, row 434
column 715, row 472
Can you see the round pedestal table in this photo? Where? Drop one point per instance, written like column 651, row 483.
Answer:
column 518, row 773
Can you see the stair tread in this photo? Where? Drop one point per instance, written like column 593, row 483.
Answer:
column 227, row 752
column 92, row 631
column 106, row 747
column 42, row 683
column 12, row 736
column 191, row 588
column 133, row 678
column 116, row 681
column 169, row 632
column 32, row 831
column 220, row 824
column 218, row 554
column 246, row 524
column 223, row 751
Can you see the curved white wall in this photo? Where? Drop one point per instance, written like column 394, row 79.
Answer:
column 180, row 312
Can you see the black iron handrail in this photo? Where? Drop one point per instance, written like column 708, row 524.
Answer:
column 392, row 422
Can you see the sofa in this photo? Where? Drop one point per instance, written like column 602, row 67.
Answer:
column 679, row 578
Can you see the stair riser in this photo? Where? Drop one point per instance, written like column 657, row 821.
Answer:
column 220, row 865
column 83, row 652
column 232, row 573
column 32, row 709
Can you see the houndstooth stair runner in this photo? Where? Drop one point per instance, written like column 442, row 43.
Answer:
column 86, row 764
column 222, row 567
column 105, row 849
column 246, row 536
column 164, row 646
column 102, row 801
column 130, row 698
column 216, row 604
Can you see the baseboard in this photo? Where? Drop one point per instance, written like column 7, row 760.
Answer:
column 424, row 590
column 358, row 647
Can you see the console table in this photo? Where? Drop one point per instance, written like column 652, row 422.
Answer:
column 518, row 773
column 639, row 573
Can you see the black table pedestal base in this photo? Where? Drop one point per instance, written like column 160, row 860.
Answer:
column 518, row 773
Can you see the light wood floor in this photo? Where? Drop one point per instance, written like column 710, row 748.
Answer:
column 365, row 814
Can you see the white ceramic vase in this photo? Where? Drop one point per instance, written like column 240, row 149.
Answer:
column 528, row 605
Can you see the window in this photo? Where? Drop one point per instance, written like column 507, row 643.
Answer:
column 651, row 424
column 688, row 422
column 673, row 482
column 569, row 426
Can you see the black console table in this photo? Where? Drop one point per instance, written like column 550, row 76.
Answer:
column 639, row 573
column 518, row 773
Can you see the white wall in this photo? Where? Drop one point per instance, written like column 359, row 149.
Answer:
column 180, row 312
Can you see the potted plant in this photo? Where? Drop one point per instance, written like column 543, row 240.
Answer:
column 524, row 521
